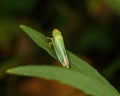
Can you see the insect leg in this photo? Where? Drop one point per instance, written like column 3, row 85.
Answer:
column 51, row 41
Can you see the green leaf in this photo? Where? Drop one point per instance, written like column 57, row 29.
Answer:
column 75, row 79
column 94, row 83
column 40, row 39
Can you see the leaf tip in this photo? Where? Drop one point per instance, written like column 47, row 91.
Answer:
column 9, row 71
column 21, row 26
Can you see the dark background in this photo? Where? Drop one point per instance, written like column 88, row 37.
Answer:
column 91, row 30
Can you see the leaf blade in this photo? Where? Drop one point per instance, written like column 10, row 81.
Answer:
column 72, row 78
column 76, row 64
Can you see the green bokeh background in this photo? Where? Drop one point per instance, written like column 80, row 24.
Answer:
column 90, row 29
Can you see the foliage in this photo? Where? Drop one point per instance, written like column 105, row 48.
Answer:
column 80, row 75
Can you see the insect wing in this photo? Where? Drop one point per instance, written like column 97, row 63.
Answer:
column 59, row 47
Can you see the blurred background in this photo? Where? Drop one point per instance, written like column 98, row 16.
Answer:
column 91, row 30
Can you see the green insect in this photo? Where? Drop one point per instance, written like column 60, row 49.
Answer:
column 58, row 43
